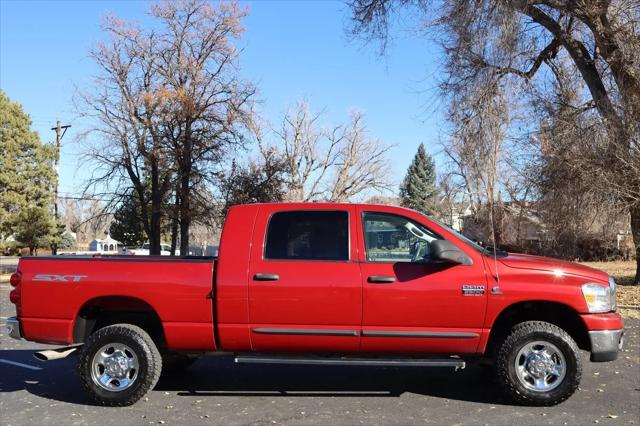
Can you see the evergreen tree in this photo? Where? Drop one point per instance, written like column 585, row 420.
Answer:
column 418, row 189
column 127, row 224
column 34, row 227
column 26, row 169
column 67, row 241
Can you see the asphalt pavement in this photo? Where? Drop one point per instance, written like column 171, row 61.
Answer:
column 216, row 391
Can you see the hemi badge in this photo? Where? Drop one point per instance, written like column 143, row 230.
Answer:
column 472, row 290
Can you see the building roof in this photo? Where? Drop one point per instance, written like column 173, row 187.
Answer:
column 107, row 240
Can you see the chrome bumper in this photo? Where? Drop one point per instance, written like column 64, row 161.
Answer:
column 605, row 344
column 12, row 328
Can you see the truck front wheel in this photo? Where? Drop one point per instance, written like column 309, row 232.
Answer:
column 119, row 364
column 538, row 363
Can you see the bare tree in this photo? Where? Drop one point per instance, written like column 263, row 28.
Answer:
column 450, row 208
column 338, row 163
column 88, row 219
column 307, row 150
column 168, row 107
column 197, row 62
column 520, row 43
column 127, row 110
column 361, row 163
column 479, row 118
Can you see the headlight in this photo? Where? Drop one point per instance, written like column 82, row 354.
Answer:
column 598, row 297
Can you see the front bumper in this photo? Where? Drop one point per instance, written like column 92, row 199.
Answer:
column 13, row 328
column 605, row 344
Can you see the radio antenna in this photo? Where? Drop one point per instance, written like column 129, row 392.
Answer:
column 493, row 237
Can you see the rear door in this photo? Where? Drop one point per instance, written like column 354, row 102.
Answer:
column 410, row 302
column 305, row 291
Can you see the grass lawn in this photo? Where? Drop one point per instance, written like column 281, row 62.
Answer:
column 623, row 273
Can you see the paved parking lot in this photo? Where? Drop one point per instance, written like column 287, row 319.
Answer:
column 215, row 391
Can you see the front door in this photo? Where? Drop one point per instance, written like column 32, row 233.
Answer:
column 410, row 302
column 305, row 291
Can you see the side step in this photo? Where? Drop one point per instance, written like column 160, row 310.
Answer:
column 458, row 364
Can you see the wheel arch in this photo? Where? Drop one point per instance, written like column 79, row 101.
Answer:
column 102, row 311
column 559, row 314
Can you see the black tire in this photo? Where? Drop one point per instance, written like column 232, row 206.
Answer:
column 529, row 332
column 173, row 363
column 148, row 359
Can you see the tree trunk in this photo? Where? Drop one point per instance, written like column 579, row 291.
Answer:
column 156, row 212
column 185, row 215
column 185, row 191
column 635, row 231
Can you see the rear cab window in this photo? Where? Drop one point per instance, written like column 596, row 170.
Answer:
column 308, row 235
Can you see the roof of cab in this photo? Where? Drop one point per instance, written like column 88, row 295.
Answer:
column 322, row 203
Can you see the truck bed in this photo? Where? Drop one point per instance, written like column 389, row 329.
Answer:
column 57, row 289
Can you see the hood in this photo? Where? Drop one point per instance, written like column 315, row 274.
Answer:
column 525, row 261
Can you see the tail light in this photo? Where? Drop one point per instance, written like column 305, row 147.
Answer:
column 15, row 281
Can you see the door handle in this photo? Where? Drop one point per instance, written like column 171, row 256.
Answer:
column 380, row 279
column 266, row 277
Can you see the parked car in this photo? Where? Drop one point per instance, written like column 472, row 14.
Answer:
column 322, row 284
column 165, row 250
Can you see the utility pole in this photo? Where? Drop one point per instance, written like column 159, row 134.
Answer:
column 60, row 132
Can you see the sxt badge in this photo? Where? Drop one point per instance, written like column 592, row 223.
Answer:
column 60, row 278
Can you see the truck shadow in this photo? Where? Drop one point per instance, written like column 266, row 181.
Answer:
column 55, row 380
column 58, row 380
column 222, row 377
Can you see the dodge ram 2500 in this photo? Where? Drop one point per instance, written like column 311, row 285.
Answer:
column 321, row 284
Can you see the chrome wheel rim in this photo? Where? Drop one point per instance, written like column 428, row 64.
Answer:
column 114, row 367
column 540, row 366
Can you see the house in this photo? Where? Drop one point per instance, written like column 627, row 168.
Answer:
column 457, row 217
column 107, row 245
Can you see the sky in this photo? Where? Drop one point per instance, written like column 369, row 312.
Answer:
column 291, row 50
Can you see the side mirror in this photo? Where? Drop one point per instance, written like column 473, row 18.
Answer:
column 448, row 252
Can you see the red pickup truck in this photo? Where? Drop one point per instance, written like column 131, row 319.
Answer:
column 321, row 284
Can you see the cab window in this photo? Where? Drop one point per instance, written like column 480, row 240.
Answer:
column 308, row 235
column 393, row 238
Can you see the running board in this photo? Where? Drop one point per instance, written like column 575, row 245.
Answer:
column 458, row 364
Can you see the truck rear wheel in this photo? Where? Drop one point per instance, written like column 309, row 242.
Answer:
column 538, row 363
column 119, row 364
